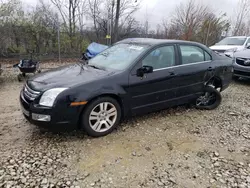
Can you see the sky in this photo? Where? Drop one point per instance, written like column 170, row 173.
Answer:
column 157, row 10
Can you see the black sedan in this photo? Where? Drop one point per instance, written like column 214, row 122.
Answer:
column 134, row 76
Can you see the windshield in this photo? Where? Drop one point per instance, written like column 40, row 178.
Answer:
column 118, row 57
column 238, row 41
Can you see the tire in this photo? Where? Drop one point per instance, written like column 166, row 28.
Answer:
column 236, row 77
column 99, row 117
column 213, row 103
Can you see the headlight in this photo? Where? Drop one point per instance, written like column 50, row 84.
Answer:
column 231, row 50
column 48, row 98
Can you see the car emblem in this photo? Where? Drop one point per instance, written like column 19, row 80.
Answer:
column 247, row 62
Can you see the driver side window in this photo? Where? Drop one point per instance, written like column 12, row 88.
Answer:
column 162, row 57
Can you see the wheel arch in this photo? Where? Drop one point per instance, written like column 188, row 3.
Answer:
column 215, row 81
column 112, row 95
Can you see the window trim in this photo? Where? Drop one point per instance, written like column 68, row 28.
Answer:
column 180, row 54
column 205, row 55
column 176, row 66
column 248, row 39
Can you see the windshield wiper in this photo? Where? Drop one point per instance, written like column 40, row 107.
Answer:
column 104, row 54
column 95, row 67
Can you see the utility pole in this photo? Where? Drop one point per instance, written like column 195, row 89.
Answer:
column 116, row 32
column 112, row 21
column 208, row 31
column 58, row 39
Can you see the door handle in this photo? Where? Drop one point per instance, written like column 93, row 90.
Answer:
column 172, row 73
column 210, row 69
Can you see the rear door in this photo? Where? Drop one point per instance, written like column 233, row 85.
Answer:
column 194, row 69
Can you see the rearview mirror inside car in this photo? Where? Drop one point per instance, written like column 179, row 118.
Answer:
column 143, row 70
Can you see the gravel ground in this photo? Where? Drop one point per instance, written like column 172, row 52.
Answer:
column 180, row 147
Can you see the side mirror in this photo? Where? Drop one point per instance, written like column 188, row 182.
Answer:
column 248, row 45
column 143, row 70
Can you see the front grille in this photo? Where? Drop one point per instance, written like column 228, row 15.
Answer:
column 29, row 93
column 243, row 61
column 242, row 73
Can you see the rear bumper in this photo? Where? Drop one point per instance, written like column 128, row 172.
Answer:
column 225, row 86
column 61, row 119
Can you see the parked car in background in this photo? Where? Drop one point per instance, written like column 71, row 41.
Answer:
column 229, row 45
column 242, row 64
column 92, row 50
column 132, row 77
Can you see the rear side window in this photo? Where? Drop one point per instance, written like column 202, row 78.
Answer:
column 193, row 54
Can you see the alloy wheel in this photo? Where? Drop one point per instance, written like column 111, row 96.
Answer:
column 206, row 99
column 102, row 117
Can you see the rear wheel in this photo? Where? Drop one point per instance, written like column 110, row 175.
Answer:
column 101, row 116
column 210, row 100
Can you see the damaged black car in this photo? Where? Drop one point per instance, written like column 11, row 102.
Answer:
column 134, row 76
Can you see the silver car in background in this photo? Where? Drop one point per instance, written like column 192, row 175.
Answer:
column 230, row 45
column 242, row 64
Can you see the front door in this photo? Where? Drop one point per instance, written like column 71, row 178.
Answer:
column 154, row 90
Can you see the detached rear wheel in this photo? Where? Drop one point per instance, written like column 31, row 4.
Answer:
column 210, row 100
column 101, row 116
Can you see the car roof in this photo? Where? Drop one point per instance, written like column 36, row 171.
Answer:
column 151, row 41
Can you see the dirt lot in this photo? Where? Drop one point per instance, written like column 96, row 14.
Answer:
column 181, row 147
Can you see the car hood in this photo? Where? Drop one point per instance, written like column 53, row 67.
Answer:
column 244, row 53
column 66, row 76
column 224, row 47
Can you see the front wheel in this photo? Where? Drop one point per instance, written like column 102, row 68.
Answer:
column 210, row 100
column 101, row 116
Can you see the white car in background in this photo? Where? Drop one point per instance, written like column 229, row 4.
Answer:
column 229, row 45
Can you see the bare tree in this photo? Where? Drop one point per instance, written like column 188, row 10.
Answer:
column 71, row 12
column 11, row 15
column 82, row 9
column 188, row 17
column 211, row 28
column 242, row 12
column 94, row 13
column 104, row 16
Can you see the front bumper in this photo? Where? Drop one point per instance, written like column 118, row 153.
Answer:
column 241, row 71
column 62, row 117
